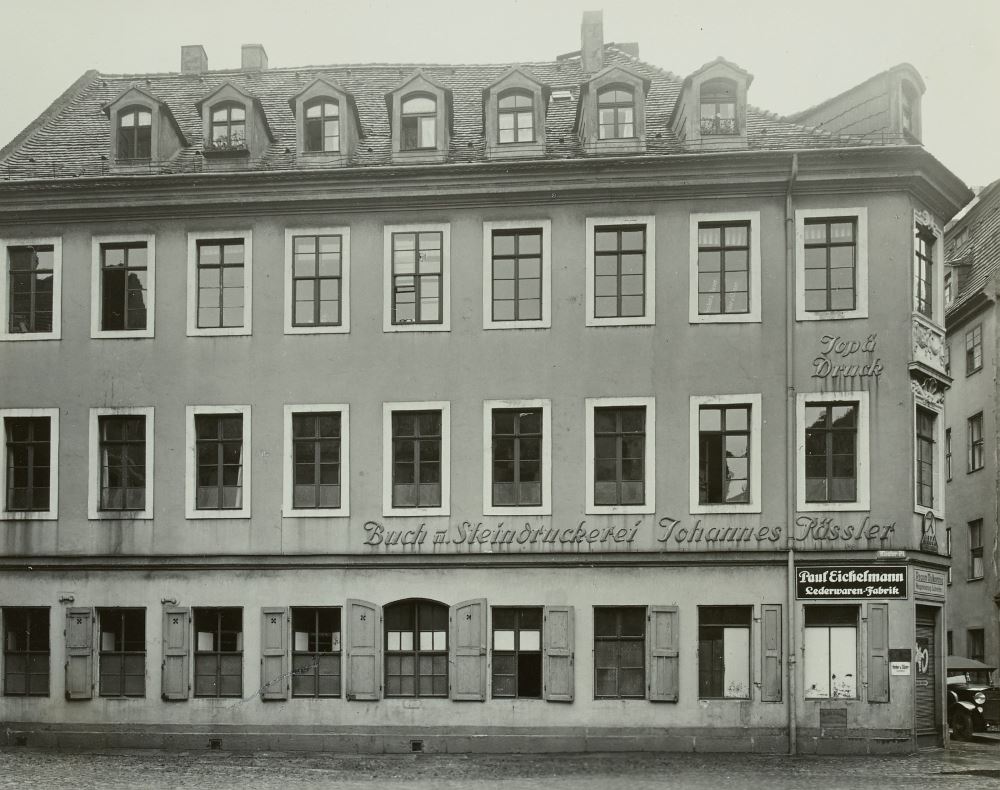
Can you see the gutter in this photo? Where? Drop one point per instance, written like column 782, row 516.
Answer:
column 790, row 453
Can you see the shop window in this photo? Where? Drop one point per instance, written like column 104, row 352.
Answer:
column 416, row 649
column 926, row 450
column 718, row 107
column 218, row 655
column 724, row 454
column 977, row 644
column 122, row 654
column 974, row 349
column 322, row 125
column 923, row 273
column 616, row 113
column 724, row 652
column 831, row 452
column 25, row 651
column 135, row 133
column 831, row 652
column 515, row 117
column 419, row 122
column 517, row 652
column 976, row 549
column 619, row 652
column 974, row 432
column 316, row 646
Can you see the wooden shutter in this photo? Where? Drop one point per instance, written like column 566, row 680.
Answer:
column 557, row 655
column 274, row 653
column 878, row 652
column 364, row 650
column 770, row 653
column 662, row 642
column 467, row 650
column 175, row 681
column 79, row 635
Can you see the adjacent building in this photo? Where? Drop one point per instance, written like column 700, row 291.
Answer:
column 556, row 405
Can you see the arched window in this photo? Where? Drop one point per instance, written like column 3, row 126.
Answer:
column 616, row 113
column 718, row 107
column 516, row 117
column 322, row 129
column 135, row 133
column 419, row 122
column 229, row 125
column 416, row 649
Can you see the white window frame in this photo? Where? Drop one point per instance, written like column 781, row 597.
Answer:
column 648, row 318
column 97, row 290
column 756, row 421
column 649, row 461
column 863, row 500
column 939, row 462
column 288, row 508
column 545, row 322
column 345, row 281
column 432, row 405
column 544, row 509
column 191, row 464
column 444, row 228
column 5, row 245
column 753, row 276
column 94, row 511
column 193, row 330
column 860, row 215
column 33, row 515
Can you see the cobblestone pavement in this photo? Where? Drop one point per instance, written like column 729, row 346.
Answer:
column 965, row 767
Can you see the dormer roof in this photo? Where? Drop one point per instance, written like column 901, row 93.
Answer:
column 728, row 65
column 608, row 75
column 249, row 97
column 518, row 71
column 124, row 99
column 332, row 87
column 417, row 76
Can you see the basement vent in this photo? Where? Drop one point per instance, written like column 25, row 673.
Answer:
column 215, row 743
column 416, row 746
column 833, row 718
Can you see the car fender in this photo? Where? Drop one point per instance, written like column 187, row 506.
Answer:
column 967, row 705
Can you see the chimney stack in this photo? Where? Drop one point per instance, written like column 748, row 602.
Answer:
column 193, row 59
column 254, row 57
column 592, row 41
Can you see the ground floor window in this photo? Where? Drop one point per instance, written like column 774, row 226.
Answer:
column 122, row 657
column 25, row 651
column 724, row 652
column 517, row 653
column 218, row 657
column 316, row 651
column 416, row 649
column 831, row 652
column 619, row 652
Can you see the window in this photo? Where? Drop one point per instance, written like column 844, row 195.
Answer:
column 948, row 296
column 616, row 113
column 974, row 349
column 518, row 457
column 718, row 107
column 416, row 649
column 218, row 654
column 976, row 549
column 724, row 652
column 218, row 474
column 831, row 652
column 315, row 460
column 122, row 286
column 947, row 453
column 415, row 455
column 135, row 133
column 925, row 484
column 515, row 117
column 32, row 285
column 725, row 434
column 31, row 480
column 517, row 653
column 121, row 463
column 620, row 455
column 975, row 434
column 977, row 644
column 516, row 275
column 122, row 657
column 317, row 280
column 316, row 651
column 419, row 122
column 620, row 652
column 725, row 268
column 416, row 275
column 620, row 271
column 228, row 126
column 219, row 283
column 831, row 264
column 833, row 449
column 25, row 651
column 322, row 125
column 923, row 273
column 908, row 110
column 951, row 643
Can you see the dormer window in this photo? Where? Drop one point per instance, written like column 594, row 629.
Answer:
column 229, row 125
column 908, row 113
column 718, row 107
column 135, row 133
column 616, row 113
column 419, row 122
column 322, row 125
column 515, row 117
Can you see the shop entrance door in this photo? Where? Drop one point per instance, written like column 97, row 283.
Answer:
column 927, row 698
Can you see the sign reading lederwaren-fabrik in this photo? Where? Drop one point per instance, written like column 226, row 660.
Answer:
column 851, row 581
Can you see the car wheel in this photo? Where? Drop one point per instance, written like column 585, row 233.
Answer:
column 961, row 725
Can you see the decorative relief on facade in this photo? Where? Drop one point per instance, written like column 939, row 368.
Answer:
column 928, row 346
column 928, row 392
column 925, row 218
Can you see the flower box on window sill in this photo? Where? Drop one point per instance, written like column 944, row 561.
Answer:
column 223, row 149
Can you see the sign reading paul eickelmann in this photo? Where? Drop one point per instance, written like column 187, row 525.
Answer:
column 850, row 581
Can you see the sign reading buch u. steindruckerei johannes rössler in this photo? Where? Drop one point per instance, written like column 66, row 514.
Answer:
column 850, row 581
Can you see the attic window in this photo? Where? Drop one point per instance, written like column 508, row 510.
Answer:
column 322, row 129
column 515, row 116
column 718, row 107
column 419, row 122
column 616, row 111
column 908, row 110
column 135, row 127
column 229, row 126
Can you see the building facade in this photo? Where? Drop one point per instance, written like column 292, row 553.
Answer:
column 564, row 405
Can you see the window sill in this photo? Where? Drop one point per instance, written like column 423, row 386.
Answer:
column 641, row 320
column 225, row 153
column 752, row 317
column 415, row 327
column 121, row 515
column 973, row 372
column 830, row 315
column 29, row 515
column 229, row 331
column 724, row 509
column 833, row 507
column 620, row 510
column 124, row 334
column 973, row 471
column 543, row 323
column 23, row 336
column 329, row 512
column 339, row 329
column 416, row 511
column 975, row 579
column 197, row 515
column 514, row 510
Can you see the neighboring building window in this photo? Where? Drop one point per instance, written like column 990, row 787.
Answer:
column 31, row 289
column 830, row 261
column 122, row 655
column 974, row 349
column 517, row 653
column 619, row 455
column 975, row 433
column 316, row 646
column 831, row 452
column 925, row 457
column 218, row 657
column 123, row 287
column 951, row 642
column 123, row 462
column 219, row 447
column 516, row 117
column 619, row 271
column 831, row 652
column 724, row 454
column 416, row 459
column 718, row 107
column 724, row 652
column 417, row 275
column 229, row 125
column 135, row 133
column 419, row 123
column 517, row 457
column 977, row 644
column 923, row 274
column 316, row 481
column 322, row 125
column 220, row 283
column 29, row 463
column 616, row 113
column 723, row 267
column 976, row 549
column 517, row 275
column 316, row 280
column 620, row 652
column 947, row 453
column 947, row 289
column 25, row 651
column 416, row 649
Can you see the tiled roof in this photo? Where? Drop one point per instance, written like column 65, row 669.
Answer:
column 980, row 253
column 71, row 139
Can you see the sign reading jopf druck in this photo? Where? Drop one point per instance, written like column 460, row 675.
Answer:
column 850, row 581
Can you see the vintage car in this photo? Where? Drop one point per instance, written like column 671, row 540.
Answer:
column 973, row 703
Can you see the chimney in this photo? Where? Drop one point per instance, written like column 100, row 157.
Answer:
column 193, row 59
column 592, row 41
column 254, row 57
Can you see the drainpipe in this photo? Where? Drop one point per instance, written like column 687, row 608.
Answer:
column 790, row 453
